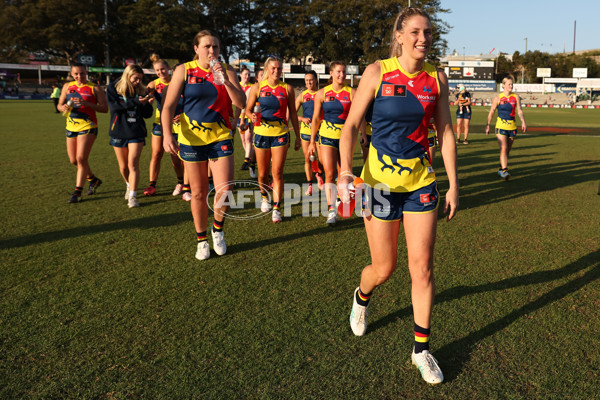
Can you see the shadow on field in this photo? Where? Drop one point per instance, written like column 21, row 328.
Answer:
column 488, row 160
column 483, row 189
column 142, row 223
column 300, row 177
column 342, row 225
column 455, row 355
column 532, row 172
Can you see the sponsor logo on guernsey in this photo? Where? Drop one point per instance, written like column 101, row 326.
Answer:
column 192, row 80
column 343, row 100
column 393, row 90
column 410, row 83
column 427, row 98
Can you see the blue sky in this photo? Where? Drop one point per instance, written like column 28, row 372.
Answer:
column 482, row 25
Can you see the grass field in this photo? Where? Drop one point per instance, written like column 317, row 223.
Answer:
column 104, row 302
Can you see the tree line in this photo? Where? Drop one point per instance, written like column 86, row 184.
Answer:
column 525, row 65
column 355, row 31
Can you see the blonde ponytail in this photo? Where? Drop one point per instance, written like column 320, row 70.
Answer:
column 405, row 15
column 155, row 59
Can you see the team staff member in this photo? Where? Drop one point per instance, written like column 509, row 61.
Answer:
column 206, row 138
column 463, row 114
column 82, row 125
column 334, row 102
column 272, row 137
column 405, row 92
column 507, row 104
column 55, row 95
column 156, row 88
column 306, row 99
column 249, row 163
column 129, row 105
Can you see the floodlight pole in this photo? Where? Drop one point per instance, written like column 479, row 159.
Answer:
column 574, row 34
column 106, row 49
column 522, row 72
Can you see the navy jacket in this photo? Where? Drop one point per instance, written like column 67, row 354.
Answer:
column 127, row 115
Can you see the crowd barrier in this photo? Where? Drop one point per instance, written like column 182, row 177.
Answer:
column 25, row 97
column 528, row 105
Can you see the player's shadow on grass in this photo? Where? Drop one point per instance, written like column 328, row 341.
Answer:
column 488, row 163
column 53, row 236
column 486, row 188
column 342, row 225
column 487, row 160
column 456, row 354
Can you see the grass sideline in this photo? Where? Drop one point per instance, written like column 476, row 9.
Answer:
column 102, row 301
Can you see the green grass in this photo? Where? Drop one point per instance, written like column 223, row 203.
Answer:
column 545, row 120
column 101, row 301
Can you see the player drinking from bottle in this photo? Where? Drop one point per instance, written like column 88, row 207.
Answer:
column 206, row 137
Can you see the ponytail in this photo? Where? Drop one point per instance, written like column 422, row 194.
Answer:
column 155, row 58
column 405, row 15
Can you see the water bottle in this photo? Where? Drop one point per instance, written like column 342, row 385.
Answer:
column 314, row 163
column 218, row 78
column 345, row 209
column 257, row 110
column 69, row 104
